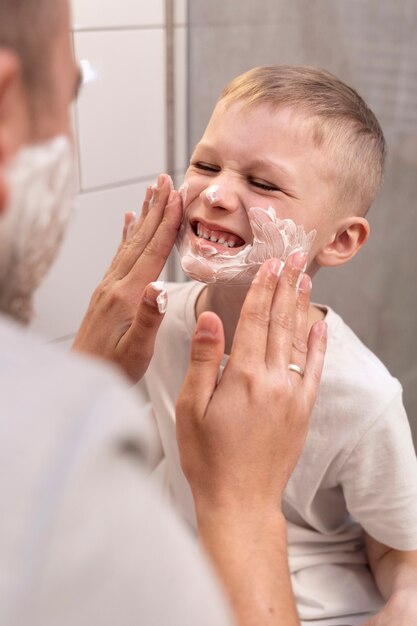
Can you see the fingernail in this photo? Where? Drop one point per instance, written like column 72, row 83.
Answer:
column 271, row 266
column 171, row 182
column 275, row 266
column 206, row 327
column 130, row 221
column 160, row 181
column 161, row 300
column 299, row 260
column 305, row 283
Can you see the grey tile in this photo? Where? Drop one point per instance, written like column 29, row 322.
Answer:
column 372, row 46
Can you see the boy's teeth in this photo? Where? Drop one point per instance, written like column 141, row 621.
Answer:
column 216, row 237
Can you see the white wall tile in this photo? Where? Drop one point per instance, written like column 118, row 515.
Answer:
column 110, row 14
column 121, row 115
column 75, row 136
column 87, row 251
column 181, row 156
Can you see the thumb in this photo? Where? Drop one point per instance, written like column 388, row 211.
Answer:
column 138, row 343
column 206, row 354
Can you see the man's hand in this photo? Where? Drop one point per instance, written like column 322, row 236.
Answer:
column 123, row 316
column 244, row 435
column 240, row 439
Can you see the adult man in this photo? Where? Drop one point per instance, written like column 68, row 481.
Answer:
column 83, row 538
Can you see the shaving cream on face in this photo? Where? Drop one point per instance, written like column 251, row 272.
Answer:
column 212, row 194
column 42, row 186
column 272, row 238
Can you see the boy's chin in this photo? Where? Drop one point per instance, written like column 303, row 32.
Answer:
column 205, row 271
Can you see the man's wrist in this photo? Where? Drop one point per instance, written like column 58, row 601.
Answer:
column 248, row 547
column 232, row 527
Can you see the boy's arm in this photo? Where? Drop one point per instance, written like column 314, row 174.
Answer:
column 395, row 573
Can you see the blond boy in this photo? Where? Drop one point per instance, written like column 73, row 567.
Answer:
column 297, row 141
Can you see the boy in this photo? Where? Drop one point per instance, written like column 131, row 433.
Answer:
column 301, row 149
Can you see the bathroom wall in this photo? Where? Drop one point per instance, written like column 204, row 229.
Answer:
column 120, row 122
column 372, row 46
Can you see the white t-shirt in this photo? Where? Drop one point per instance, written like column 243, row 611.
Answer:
column 358, row 469
column 85, row 538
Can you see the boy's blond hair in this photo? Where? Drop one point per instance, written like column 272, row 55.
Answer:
column 342, row 124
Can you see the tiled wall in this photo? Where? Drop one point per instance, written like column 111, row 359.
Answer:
column 120, row 127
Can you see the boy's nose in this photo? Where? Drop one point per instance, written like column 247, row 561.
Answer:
column 220, row 196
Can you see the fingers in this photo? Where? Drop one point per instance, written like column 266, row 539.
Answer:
column 317, row 344
column 251, row 336
column 152, row 260
column 130, row 219
column 155, row 295
column 155, row 196
column 148, row 201
column 206, row 354
column 138, row 343
column 283, row 314
column 154, row 238
column 299, row 343
column 153, row 207
column 144, row 229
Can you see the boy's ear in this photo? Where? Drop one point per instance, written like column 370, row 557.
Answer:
column 9, row 74
column 345, row 243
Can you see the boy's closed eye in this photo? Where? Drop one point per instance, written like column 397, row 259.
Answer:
column 207, row 167
column 263, row 185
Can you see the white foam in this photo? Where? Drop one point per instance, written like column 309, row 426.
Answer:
column 272, row 238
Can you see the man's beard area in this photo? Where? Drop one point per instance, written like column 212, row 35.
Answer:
column 41, row 192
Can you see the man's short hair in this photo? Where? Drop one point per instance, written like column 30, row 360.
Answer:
column 28, row 28
column 342, row 124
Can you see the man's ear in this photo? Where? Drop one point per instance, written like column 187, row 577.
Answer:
column 9, row 76
column 346, row 241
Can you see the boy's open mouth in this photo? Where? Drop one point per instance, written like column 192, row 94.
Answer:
column 214, row 235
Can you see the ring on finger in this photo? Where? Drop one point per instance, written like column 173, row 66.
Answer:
column 296, row 368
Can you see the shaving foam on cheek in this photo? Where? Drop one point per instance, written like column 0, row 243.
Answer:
column 272, row 238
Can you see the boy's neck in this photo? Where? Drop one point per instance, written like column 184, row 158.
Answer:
column 227, row 301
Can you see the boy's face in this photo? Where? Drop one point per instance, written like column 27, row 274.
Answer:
column 255, row 157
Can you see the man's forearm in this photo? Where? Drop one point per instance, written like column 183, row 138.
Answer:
column 251, row 559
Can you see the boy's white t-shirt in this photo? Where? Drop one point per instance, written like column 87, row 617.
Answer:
column 358, row 469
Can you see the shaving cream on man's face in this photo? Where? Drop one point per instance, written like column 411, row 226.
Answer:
column 41, row 181
column 272, row 238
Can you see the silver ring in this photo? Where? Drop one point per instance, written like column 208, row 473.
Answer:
column 296, row 368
